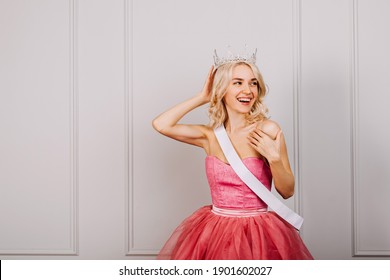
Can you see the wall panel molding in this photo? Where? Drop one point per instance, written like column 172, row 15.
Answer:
column 360, row 249
column 296, row 106
column 73, row 144
column 354, row 120
column 130, row 246
column 74, row 125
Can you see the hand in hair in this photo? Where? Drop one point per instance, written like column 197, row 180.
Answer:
column 167, row 122
column 205, row 94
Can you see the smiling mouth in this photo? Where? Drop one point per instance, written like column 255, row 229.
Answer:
column 244, row 100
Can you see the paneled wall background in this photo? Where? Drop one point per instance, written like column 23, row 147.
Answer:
column 84, row 176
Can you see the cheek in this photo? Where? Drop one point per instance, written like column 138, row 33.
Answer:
column 224, row 97
column 228, row 96
column 226, row 100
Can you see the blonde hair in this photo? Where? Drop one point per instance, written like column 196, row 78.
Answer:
column 217, row 111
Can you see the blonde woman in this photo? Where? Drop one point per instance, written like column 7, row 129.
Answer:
column 238, row 225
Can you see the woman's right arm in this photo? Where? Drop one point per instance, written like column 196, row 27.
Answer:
column 167, row 122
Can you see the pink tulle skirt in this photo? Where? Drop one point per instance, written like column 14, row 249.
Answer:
column 208, row 236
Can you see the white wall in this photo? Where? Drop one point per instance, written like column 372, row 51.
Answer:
column 84, row 176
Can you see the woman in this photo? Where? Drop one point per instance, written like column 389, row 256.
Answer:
column 237, row 225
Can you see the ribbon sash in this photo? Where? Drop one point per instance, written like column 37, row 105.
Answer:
column 253, row 183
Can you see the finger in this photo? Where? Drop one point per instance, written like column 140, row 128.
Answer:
column 279, row 134
column 254, row 137
column 258, row 144
column 254, row 145
column 211, row 71
column 253, row 141
column 210, row 74
column 210, row 77
column 261, row 133
column 257, row 147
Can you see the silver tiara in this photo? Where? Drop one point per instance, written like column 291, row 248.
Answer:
column 231, row 57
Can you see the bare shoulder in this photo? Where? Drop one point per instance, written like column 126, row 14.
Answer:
column 269, row 127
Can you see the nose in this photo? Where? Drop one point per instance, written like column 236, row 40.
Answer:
column 246, row 89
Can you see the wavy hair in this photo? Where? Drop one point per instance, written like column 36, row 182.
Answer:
column 217, row 110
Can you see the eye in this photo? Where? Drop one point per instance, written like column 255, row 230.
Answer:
column 254, row 83
column 237, row 83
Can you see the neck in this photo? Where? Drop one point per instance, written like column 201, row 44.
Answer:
column 235, row 122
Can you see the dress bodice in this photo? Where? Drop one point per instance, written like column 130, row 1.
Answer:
column 228, row 190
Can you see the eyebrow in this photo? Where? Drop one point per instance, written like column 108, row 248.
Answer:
column 240, row 79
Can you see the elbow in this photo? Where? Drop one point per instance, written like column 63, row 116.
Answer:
column 156, row 125
column 287, row 195
column 289, row 192
column 288, row 188
column 286, row 192
column 160, row 127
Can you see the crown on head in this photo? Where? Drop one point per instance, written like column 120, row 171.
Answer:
column 238, row 57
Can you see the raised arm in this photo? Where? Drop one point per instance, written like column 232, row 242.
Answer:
column 167, row 122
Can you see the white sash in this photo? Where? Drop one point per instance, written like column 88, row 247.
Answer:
column 253, row 183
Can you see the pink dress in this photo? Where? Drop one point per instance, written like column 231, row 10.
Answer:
column 237, row 226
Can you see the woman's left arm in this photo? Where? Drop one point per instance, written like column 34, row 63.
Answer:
column 269, row 141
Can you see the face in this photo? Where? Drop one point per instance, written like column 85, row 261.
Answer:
column 242, row 90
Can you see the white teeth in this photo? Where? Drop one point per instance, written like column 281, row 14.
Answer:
column 244, row 99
